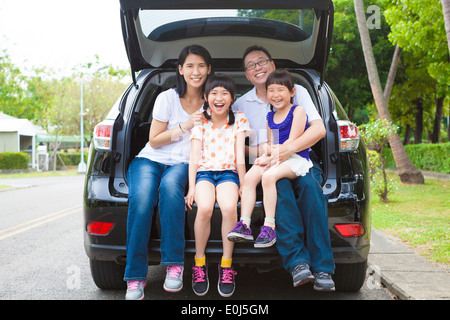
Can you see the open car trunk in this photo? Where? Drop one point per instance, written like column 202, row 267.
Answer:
column 155, row 31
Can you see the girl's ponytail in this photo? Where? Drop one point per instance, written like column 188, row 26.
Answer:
column 205, row 110
column 231, row 117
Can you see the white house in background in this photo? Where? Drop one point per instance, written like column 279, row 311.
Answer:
column 19, row 135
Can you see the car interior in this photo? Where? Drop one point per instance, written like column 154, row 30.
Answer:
column 142, row 115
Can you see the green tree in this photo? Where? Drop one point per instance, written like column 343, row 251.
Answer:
column 407, row 171
column 346, row 72
column 418, row 27
column 12, row 86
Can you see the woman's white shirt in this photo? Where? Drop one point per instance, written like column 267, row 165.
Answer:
column 168, row 109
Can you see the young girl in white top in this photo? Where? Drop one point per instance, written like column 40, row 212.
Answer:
column 284, row 125
column 216, row 171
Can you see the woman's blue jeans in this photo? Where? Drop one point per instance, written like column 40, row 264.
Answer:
column 150, row 184
column 302, row 223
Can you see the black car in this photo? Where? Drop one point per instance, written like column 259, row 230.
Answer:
column 154, row 33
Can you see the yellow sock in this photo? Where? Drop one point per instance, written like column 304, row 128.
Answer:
column 200, row 262
column 225, row 263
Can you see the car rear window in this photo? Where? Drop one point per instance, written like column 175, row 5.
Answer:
column 287, row 25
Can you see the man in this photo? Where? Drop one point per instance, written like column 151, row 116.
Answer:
column 303, row 239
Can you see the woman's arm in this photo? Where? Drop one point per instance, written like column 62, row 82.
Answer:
column 159, row 135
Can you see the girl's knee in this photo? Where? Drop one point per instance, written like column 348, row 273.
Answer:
column 268, row 180
column 251, row 179
column 228, row 208
column 204, row 212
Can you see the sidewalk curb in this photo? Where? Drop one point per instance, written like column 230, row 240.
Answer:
column 404, row 273
column 15, row 187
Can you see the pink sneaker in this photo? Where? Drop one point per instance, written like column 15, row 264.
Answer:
column 135, row 290
column 174, row 279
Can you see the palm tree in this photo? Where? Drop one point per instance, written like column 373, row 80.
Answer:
column 446, row 9
column 407, row 171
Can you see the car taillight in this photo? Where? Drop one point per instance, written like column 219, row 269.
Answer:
column 102, row 135
column 350, row 229
column 348, row 136
column 98, row 228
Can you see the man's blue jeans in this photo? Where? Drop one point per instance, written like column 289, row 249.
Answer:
column 152, row 183
column 302, row 223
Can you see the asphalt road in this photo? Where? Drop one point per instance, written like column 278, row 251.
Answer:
column 42, row 255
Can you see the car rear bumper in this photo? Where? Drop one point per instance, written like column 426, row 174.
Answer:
column 111, row 247
column 242, row 254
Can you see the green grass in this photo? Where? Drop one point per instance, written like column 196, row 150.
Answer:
column 68, row 172
column 419, row 215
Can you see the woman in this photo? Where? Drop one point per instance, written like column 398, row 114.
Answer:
column 159, row 175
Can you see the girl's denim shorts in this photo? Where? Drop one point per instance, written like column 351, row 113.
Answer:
column 217, row 177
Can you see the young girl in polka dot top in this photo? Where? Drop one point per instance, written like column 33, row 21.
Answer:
column 216, row 172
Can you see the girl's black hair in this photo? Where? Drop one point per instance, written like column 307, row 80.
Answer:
column 283, row 78
column 191, row 49
column 226, row 82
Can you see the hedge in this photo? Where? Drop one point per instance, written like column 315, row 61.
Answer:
column 70, row 159
column 14, row 160
column 430, row 157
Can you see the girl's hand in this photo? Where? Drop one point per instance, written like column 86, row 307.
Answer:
column 263, row 160
column 189, row 199
column 280, row 153
column 195, row 119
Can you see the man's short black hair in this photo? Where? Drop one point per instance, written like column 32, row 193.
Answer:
column 255, row 48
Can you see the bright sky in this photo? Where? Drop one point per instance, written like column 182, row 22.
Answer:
column 62, row 34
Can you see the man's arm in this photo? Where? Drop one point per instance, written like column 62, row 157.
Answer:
column 313, row 134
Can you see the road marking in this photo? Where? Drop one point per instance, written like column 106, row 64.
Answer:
column 37, row 222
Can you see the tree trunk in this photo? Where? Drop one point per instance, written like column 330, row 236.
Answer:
column 392, row 73
column 446, row 9
column 418, row 132
column 437, row 120
column 406, row 170
column 407, row 135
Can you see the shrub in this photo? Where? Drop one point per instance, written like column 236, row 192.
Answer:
column 69, row 159
column 14, row 160
column 431, row 157
column 376, row 135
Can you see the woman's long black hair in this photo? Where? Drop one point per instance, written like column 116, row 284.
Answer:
column 191, row 49
column 223, row 81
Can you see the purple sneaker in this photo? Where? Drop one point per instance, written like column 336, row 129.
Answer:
column 266, row 238
column 240, row 233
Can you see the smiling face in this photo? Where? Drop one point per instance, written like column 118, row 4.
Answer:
column 194, row 70
column 219, row 100
column 258, row 75
column 279, row 96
